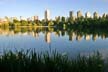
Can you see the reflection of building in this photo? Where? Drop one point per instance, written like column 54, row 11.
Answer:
column 47, row 15
column 79, row 14
column 87, row 15
column 94, row 37
column 57, row 34
column 48, row 37
column 87, row 37
column 96, row 15
column 6, row 32
column 79, row 37
column 103, row 36
column 36, row 35
column 72, row 36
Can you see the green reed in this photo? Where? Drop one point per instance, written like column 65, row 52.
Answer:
column 30, row 61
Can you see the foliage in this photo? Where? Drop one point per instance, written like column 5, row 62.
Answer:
column 30, row 61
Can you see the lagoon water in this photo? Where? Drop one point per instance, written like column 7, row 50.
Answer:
column 65, row 42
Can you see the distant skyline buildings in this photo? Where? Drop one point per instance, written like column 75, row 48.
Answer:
column 95, row 15
column 87, row 15
column 79, row 14
column 104, row 15
column 26, row 8
column 36, row 17
column 47, row 14
column 71, row 14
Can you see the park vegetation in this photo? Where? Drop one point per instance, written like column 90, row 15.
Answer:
column 63, row 22
column 30, row 61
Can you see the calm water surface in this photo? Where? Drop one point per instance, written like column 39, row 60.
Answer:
column 70, row 43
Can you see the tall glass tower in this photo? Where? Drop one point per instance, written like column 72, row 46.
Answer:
column 47, row 15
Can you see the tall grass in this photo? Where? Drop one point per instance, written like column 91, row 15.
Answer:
column 30, row 61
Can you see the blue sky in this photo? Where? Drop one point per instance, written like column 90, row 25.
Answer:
column 29, row 8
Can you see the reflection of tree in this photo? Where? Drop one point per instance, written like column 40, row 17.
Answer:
column 57, row 33
column 72, row 36
column 103, row 36
column 63, row 33
column 23, row 30
column 72, row 33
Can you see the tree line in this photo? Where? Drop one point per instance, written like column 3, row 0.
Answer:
column 63, row 22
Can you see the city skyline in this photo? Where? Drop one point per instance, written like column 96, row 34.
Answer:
column 28, row 8
column 47, row 17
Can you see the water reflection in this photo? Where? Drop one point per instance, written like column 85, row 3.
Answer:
column 48, row 37
column 87, row 37
column 69, row 41
column 34, row 31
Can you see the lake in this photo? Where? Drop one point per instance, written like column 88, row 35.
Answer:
column 68, row 42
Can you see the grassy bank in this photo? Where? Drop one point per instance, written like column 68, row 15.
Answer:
column 31, row 61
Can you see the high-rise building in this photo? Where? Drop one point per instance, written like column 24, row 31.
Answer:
column 95, row 15
column 71, row 15
column 107, row 16
column 79, row 14
column 14, row 18
column 22, row 18
column 58, row 18
column 36, row 17
column 28, row 19
column 104, row 15
column 47, row 15
column 87, row 15
column 3, row 20
column 10, row 19
column 33, row 18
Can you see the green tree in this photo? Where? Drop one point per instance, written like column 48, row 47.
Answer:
column 24, row 23
column 63, row 19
